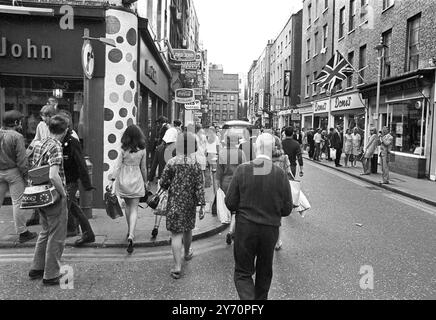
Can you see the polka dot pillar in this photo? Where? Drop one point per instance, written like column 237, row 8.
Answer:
column 120, row 83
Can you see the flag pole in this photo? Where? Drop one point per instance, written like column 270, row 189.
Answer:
column 358, row 73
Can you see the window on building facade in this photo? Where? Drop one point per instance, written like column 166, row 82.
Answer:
column 286, row 43
column 290, row 36
column 352, row 18
column 232, row 98
column 387, row 4
column 217, row 117
column 231, row 116
column 316, row 40
column 413, row 26
column 316, row 8
column 308, row 49
column 307, row 86
column 325, row 30
column 326, row 4
column 309, row 14
column 387, row 41
column 218, row 97
column 314, row 86
column 341, row 22
column 351, row 61
column 362, row 62
column 224, row 116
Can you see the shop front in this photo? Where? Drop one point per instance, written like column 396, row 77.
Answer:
column 348, row 111
column 321, row 110
column 154, row 82
column 407, row 109
column 306, row 117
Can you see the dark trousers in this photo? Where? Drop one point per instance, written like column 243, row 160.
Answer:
column 253, row 252
column 311, row 149
column 317, row 153
column 338, row 156
column 76, row 213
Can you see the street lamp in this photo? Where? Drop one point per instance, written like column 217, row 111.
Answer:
column 381, row 54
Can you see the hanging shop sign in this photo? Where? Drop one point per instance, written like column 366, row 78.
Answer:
column 196, row 105
column 346, row 102
column 191, row 65
column 198, row 91
column 321, row 106
column 88, row 59
column 185, row 96
column 183, row 55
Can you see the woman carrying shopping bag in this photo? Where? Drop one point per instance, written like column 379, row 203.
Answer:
column 183, row 178
column 230, row 157
column 281, row 160
column 130, row 176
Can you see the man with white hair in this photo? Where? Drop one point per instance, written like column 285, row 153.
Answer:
column 260, row 195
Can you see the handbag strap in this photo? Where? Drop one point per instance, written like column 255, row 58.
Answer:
column 37, row 163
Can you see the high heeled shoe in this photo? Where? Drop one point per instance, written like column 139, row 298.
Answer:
column 130, row 246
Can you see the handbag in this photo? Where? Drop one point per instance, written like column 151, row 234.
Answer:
column 41, row 196
column 113, row 208
column 304, row 205
column 153, row 202
column 161, row 209
column 224, row 214
column 295, row 189
column 39, row 175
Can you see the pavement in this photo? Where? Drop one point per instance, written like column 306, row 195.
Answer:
column 418, row 189
column 112, row 233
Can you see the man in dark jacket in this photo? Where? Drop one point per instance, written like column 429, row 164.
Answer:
column 311, row 142
column 293, row 150
column 158, row 148
column 248, row 145
column 260, row 195
column 75, row 169
column 337, row 143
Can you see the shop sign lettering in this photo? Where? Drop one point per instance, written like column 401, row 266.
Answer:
column 343, row 103
column 185, row 96
column 347, row 102
column 29, row 50
column 150, row 71
column 320, row 107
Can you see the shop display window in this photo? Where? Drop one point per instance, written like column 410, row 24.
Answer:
column 407, row 122
column 29, row 94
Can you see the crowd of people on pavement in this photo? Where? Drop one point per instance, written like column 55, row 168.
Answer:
column 351, row 143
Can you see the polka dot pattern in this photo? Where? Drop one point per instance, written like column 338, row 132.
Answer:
column 123, row 112
column 113, row 154
column 120, row 79
column 119, row 125
column 128, row 96
column 134, row 65
column 113, row 25
column 129, row 57
column 131, row 36
column 108, row 114
column 132, row 84
column 115, row 55
column 113, row 97
column 112, row 138
column 134, row 111
column 130, row 122
column 120, row 39
column 106, row 167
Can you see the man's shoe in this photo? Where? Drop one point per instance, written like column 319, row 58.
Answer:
column 36, row 274
column 26, row 236
column 51, row 282
column 84, row 239
column 32, row 222
column 384, row 182
column 229, row 238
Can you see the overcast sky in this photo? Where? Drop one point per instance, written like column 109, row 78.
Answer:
column 236, row 31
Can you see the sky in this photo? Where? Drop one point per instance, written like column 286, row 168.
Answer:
column 235, row 32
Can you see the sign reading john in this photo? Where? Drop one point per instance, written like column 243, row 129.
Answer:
column 287, row 84
column 185, row 96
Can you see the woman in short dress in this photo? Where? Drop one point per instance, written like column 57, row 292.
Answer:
column 357, row 139
column 348, row 146
column 130, row 176
column 183, row 179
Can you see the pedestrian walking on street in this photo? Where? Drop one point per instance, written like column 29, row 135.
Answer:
column 304, row 138
column 357, row 142
column 386, row 141
column 230, row 157
column 318, row 140
column 248, row 145
column 159, row 148
column 183, row 179
column 370, row 149
column 281, row 159
column 337, row 144
column 329, row 143
column 260, row 194
column 325, row 145
column 75, row 168
column 130, row 177
column 348, row 146
column 51, row 241
column 13, row 168
column 292, row 150
column 311, row 143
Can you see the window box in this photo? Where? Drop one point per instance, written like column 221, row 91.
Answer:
column 388, row 8
column 325, row 10
column 350, row 32
column 314, row 21
column 308, row 27
column 307, row 60
column 315, row 55
column 341, row 38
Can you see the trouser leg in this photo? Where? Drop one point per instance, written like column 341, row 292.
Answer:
column 264, row 261
column 385, row 168
column 244, row 250
column 16, row 189
column 77, row 212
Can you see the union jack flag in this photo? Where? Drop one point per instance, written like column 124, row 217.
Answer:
column 336, row 70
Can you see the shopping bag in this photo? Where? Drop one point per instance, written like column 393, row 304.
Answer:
column 304, row 204
column 161, row 209
column 295, row 189
column 223, row 213
column 113, row 208
column 332, row 153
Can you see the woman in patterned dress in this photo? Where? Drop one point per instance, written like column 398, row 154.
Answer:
column 183, row 179
column 356, row 146
column 348, row 146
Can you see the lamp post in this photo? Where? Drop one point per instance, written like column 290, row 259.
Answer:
column 381, row 54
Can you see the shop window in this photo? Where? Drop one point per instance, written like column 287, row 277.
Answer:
column 407, row 121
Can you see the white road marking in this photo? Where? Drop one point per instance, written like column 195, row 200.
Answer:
column 413, row 203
